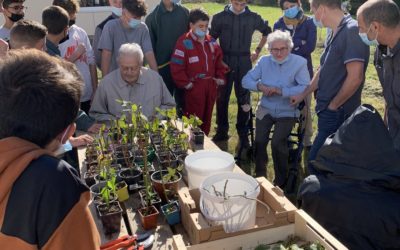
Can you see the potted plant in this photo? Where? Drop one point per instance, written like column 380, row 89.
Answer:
column 166, row 182
column 148, row 213
column 110, row 213
column 171, row 212
column 196, row 134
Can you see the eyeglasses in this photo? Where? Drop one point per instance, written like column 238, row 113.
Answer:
column 278, row 50
column 17, row 7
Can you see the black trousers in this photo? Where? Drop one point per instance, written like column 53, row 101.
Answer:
column 279, row 145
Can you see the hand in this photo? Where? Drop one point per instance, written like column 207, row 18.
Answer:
column 295, row 100
column 332, row 107
column 3, row 48
column 189, row 86
column 95, row 128
column 219, row 82
column 82, row 140
column 254, row 56
column 81, row 49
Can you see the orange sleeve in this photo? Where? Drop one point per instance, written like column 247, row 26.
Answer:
column 77, row 231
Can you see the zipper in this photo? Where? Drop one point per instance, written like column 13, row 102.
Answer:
column 206, row 56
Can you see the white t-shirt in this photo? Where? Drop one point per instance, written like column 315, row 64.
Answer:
column 4, row 33
column 77, row 36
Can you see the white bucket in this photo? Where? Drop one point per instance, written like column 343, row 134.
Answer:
column 203, row 163
column 233, row 203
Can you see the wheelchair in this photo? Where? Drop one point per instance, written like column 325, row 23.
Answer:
column 295, row 144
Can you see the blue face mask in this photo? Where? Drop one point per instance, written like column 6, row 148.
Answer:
column 317, row 23
column 368, row 42
column 133, row 23
column 198, row 32
column 279, row 62
column 116, row 11
column 291, row 12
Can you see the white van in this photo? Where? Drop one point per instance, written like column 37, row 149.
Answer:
column 91, row 13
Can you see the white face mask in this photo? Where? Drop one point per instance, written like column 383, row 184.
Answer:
column 63, row 147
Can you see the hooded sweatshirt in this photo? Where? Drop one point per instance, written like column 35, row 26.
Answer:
column 43, row 204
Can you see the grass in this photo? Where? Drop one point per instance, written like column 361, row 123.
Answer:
column 372, row 92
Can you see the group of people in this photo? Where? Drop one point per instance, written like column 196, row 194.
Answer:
column 191, row 66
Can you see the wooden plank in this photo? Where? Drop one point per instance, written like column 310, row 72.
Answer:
column 307, row 228
column 304, row 227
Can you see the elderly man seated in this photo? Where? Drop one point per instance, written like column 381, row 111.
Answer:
column 130, row 82
column 278, row 76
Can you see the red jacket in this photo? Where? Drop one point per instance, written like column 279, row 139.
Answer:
column 192, row 61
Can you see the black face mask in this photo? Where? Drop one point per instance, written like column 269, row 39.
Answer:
column 65, row 38
column 71, row 22
column 16, row 17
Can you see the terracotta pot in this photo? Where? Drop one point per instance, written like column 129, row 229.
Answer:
column 171, row 185
column 148, row 217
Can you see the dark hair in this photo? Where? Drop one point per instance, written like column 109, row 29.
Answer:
column 137, row 8
column 71, row 6
column 330, row 3
column 39, row 96
column 196, row 15
column 281, row 2
column 26, row 33
column 385, row 12
column 55, row 19
column 7, row 3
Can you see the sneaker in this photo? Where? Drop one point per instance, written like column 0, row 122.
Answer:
column 220, row 137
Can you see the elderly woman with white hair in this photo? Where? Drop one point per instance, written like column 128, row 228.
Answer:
column 278, row 76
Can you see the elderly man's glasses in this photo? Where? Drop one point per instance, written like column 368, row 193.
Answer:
column 17, row 7
column 279, row 50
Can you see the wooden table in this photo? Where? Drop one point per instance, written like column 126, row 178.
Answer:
column 163, row 233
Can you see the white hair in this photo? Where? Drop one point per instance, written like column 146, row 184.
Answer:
column 279, row 35
column 131, row 49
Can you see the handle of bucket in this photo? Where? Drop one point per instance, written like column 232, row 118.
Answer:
column 221, row 218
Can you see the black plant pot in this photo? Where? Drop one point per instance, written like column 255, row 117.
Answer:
column 110, row 217
column 132, row 177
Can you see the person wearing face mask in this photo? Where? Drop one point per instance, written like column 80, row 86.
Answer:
column 56, row 210
column 116, row 12
column 197, row 67
column 126, row 29
column 13, row 11
column 379, row 24
column 234, row 28
column 341, row 75
column 278, row 76
column 304, row 35
column 167, row 22
column 77, row 49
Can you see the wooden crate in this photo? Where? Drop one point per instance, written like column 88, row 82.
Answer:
column 304, row 227
column 200, row 230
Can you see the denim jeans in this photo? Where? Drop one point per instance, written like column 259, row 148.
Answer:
column 328, row 122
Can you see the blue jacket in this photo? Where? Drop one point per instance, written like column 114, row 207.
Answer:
column 304, row 39
column 292, row 77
